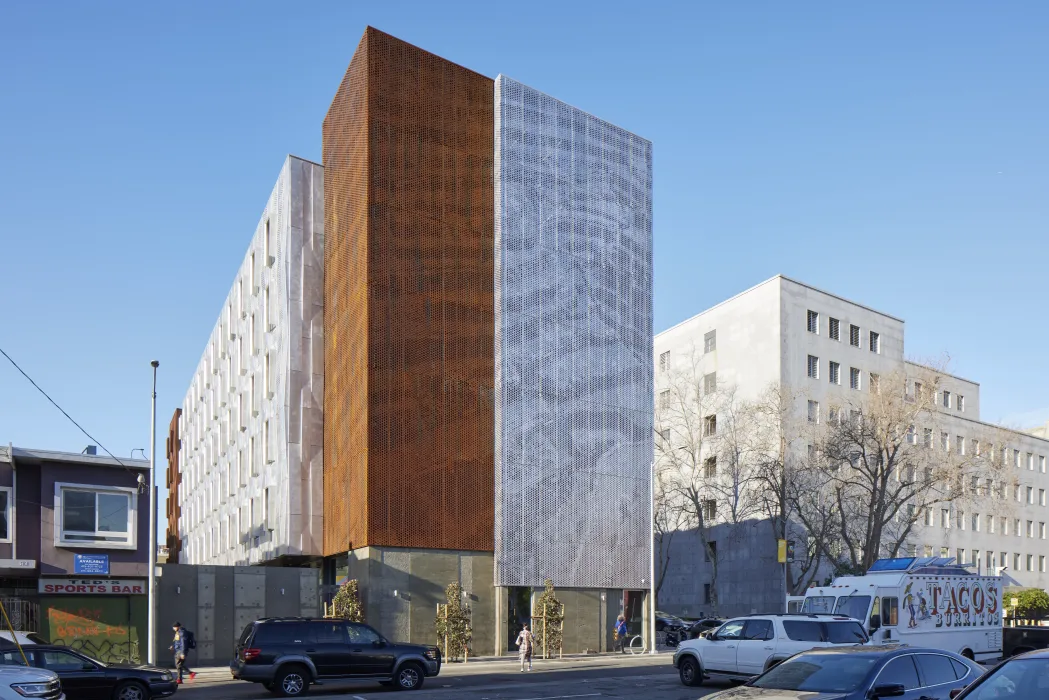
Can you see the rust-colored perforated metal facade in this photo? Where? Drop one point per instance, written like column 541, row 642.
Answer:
column 408, row 148
column 174, row 482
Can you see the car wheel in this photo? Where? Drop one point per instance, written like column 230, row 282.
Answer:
column 691, row 674
column 292, row 681
column 129, row 690
column 410, row 677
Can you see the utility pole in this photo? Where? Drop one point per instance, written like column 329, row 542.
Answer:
column 151, row 624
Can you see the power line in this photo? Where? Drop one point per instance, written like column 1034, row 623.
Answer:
column 93, row 439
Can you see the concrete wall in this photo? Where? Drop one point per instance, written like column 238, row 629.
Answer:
column 400, row 590
column 217, row 602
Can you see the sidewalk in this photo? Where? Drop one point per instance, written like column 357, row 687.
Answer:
column 497, row 664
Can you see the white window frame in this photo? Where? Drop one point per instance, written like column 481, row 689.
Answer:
column 59, row 516
column 834, row 372
column 812, row 322
column 10, row 514
column 834, row 329
column 812, row 367
column 874, row 342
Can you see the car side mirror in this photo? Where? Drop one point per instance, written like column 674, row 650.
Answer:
column 956, row 692
column 875, row 623
column 379, row 643
column 89, row 667
column 890, row 690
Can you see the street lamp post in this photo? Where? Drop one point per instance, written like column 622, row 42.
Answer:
column 151, row 619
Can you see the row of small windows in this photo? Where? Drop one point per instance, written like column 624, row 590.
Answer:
column 834, row 374
column 710, row 344
column 987, row 523
column 991, row 562
column 834, row 332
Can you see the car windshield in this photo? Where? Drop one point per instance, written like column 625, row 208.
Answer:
column 1018, row 679
column 854, row 606
column 818, row 604
column 818, row 673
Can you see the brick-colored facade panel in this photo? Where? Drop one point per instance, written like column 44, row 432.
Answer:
column 409, row 317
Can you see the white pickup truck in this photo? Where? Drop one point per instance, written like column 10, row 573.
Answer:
column 745, row 647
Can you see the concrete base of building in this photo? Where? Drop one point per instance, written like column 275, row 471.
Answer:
column 401, row 589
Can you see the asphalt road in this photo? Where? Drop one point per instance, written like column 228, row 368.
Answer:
column 632, row 678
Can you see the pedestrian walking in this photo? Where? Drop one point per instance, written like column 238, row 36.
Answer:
column 180, row 645
column 524, row 647
column 619, row 633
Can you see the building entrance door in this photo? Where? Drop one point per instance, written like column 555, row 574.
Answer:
column 518, row 613
column 634, row 612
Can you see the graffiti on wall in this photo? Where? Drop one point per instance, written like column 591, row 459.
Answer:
column 101, row 630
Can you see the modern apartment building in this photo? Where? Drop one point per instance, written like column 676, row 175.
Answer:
column 487, row 325
column 825, row 352
column 249, row 437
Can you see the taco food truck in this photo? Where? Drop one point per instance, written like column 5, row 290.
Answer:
column 928, row 602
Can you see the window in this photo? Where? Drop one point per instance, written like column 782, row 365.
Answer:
column 944, row 552
column 974, row 444
column 976, row 557
column 854, row 336
column 1018, row 528
column 1030, row 462
column 267, row 320
column 5, row 514
column 664, row 435
column 267, row 245
column 327, row 632
column 1016, row 458
column 664, row 360
column 945, row 518
column 280, row 633
column 814, row 322
column 1030, row 495
column 710, row 341
column 854, row 378
column 710, row 467
column 803, row 630
column 835, row 373
column 990, row 524
column 959, row 518
column 1018, row 494
column 919, row 392
column 1041, row 463
column 1004, row 522
column 975, row 486
column 946, row 399
column 975, row 522
column 251, row 457
column 267, row 377
column 945, row 442
column 731, row 630
column 1041, row 563
column 710, row 383
column 710, row 425
column 1017, row 561
column 266, row 507
column 814, row 367
column 758, row 630
column 912, row 435
column 1003, row 559
column 814, row 411
column 834, row 329
column 710, row 509
column 1041, row 497
column 711, row 550
column 928, row 550
column 833, row 415
column 960, row 556
column 990, row 563
column 266, row 454
column 1041, row 531
column 959, row 444
column 812, row 453
column 706, row 594
column 1030, row 529
column 875, row 342
column 890, row 612
column 875, row 383
column 95, row 516
column 929, row 518
column 362, row 634
column 900, row 671
column 936, row 669
column 960, row 403
column 664, row 399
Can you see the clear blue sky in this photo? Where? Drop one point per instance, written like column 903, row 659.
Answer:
column 894, row 153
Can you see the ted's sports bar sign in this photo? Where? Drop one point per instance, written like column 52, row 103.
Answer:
column 85, row 586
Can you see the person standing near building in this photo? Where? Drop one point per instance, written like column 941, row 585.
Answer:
column 620, row 633
column 180, row 645
column 524, row 646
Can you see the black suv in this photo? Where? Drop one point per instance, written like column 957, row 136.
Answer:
column 286, row 654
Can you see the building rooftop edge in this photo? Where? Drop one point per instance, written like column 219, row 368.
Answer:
column 773, row 279
column 940, row 371
column 96, row 460
column 306, row 160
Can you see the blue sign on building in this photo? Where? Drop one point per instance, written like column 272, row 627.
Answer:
column 93, row 564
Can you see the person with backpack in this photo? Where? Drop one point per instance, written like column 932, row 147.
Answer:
column 619, row 633
column 183, row 642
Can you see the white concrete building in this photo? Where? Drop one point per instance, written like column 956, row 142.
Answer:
column 251, row 421
column 823, row 348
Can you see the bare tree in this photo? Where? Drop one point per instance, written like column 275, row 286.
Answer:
column 669, row 519
column 884, row 462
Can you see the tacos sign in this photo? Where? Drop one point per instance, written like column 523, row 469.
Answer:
column 952, row 603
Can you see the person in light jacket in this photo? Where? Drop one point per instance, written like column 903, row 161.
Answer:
column 524, row 647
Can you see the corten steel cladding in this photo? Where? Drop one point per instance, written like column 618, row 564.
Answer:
column 409, row 293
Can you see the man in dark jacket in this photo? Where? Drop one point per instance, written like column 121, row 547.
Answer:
column 181, row 645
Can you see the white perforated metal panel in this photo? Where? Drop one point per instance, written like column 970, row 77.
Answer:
column 573, row 345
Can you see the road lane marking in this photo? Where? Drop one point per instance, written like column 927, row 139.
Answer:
column 564, row 697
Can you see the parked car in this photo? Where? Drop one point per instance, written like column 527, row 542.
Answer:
column 863, row 673
column 287, row 654
column 748, row 646
column 19, row 682
column 665, row 622
column 1020, row 639
column 23, row 637
column 701, row 627
column 1022, row 677
column 84, row 678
